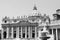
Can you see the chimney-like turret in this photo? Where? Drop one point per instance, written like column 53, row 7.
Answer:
column 57, row 15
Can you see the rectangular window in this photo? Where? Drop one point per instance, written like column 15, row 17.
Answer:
column 19, row 32
column 4, row 33
column 14, row 34
column 23, row 32
column 33, row 32
column 50, row 30
column 23, row 29
column 27, row 32
column 33, row 35
column 23, row 35
column 54, row 32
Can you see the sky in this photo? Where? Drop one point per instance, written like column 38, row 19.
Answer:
column 16, row 8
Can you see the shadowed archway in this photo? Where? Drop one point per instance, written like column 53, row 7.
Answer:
column 4, row 34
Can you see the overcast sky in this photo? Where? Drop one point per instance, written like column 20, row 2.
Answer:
column 24, row 7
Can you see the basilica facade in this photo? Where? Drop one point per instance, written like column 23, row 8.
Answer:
column 27, row 28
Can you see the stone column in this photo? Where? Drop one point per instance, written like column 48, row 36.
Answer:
column 7, row 32
column 29, row 32
column 21, row 32
column 56, row 34
column 17, row 32
column 12, row 33
column 25, row 32
column 52, row 31
column 2, row 33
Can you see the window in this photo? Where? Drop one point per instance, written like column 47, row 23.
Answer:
column 27, row 32
column 4, row 34
column 23, row 32
column 33, row 35
column 19, row 32
column 41, row 29
column 23, row 29
column 50, row 30
column 5, row 21
column 14, row 34
column 23, row 35
column 54, row 32
column 33, row 32
column 27, row 36
column 19, row 36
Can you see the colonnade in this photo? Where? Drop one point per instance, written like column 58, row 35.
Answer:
column 56, row 33
column 29, row 32
column 17, row 32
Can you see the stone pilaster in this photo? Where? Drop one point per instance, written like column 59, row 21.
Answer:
column 25, row 32
column 17, row 32
column 12, row 33
column 7, row 32
column 52, row 31
column 21, row 32
column 2, row 33
column 56, row 34
column 29, row 31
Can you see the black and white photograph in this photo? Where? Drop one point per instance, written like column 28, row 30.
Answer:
column 29, row 19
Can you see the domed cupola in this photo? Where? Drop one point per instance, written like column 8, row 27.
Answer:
column 35, row 8
column 57, row 15
column 35, row 11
